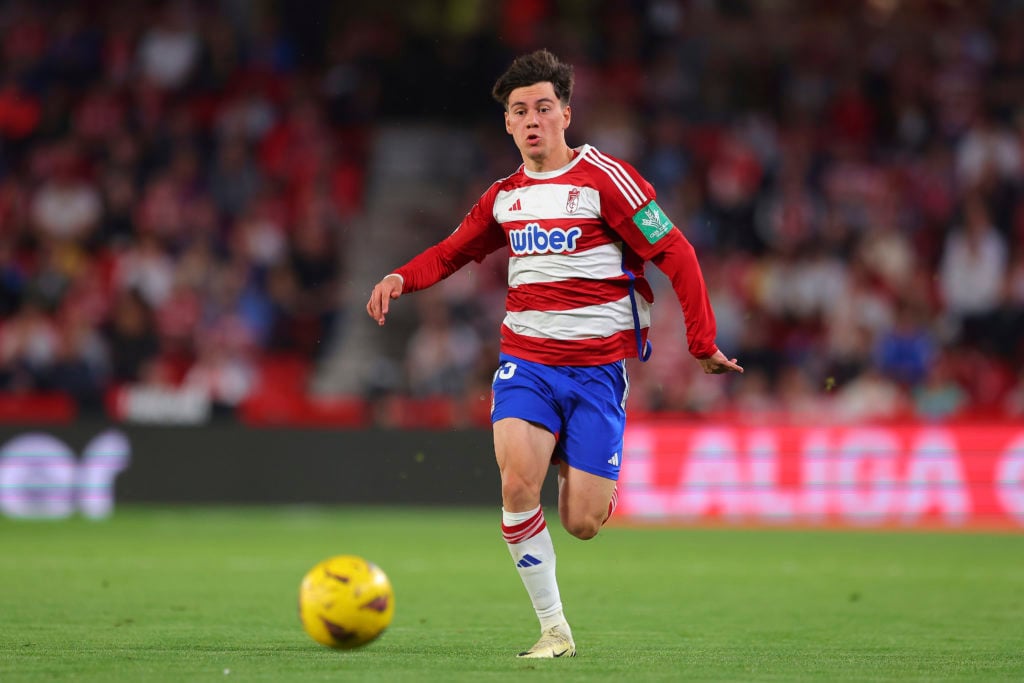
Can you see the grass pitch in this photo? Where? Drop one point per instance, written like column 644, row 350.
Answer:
column 209, row 594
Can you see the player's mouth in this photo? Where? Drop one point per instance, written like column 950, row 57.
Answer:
column 532, row 139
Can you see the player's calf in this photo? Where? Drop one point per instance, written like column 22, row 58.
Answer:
column 612, row 504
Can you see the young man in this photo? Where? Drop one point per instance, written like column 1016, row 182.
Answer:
column 579, row 226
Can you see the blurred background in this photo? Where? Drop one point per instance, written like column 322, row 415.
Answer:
column 197, row 197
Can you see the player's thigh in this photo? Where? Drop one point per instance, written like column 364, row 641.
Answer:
column 525, row 419
column 595, row 421
column 523, row 451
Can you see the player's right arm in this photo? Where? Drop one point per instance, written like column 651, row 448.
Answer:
column 477, row 236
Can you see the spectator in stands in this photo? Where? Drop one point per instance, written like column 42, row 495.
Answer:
column 870, row 396
column 29, row 348
column 988, row 153
column 235, row 180
column 12, row 279
column 441, row 353
column 939, row 396
column 906, row 351
column 67, row 207
column 972, row 271
column 223, row 369
column 131, row 337
column 802, row 397
column 81, row 365
column 146, row 266
column 315, row 251
column 170, row 48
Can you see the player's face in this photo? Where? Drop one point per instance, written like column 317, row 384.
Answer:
column 537, row 121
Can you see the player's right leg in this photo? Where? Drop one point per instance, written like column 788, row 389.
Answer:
column 523, row 452
column 525, row 424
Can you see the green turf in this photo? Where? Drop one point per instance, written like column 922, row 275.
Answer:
column 193, row 594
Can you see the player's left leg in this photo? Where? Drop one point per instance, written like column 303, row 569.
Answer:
column 591, row 448
column 585, row 501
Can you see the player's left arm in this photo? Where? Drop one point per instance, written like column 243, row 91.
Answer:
column 678, row 260
column 628, row 205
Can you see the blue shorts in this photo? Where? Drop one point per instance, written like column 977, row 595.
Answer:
column 584, row 407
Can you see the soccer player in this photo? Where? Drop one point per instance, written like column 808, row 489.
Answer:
column 579, row 226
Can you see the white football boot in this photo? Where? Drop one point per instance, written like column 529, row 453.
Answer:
column 554, row 642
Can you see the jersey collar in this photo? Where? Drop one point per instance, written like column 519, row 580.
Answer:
column 544, row 175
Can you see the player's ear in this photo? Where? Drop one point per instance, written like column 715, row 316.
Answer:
column 508, row 126
column 566, row 116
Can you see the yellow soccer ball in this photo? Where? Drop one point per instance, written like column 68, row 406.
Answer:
column 345, row 602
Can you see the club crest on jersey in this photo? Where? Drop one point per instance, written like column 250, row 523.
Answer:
column 533, row 239
column 573, row 202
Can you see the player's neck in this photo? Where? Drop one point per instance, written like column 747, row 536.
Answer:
column 552, row 162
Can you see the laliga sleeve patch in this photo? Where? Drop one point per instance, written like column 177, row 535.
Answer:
column 653, row 222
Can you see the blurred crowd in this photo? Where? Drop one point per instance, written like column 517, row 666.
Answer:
column 173, row 198
column 178, row 181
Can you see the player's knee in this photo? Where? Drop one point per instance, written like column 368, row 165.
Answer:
column 514, row 485
column 582, row 527
column 516, row 490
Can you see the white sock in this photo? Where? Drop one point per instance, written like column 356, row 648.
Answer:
column 529, row 541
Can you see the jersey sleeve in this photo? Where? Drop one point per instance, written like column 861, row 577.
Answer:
column 475, row 237
column 678, row 261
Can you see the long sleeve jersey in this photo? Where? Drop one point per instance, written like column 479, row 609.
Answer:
column 577, row 239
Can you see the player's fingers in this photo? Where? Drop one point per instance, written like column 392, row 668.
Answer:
column 720, row 366
column 734, row 366
column 727, row 366
column 372, row 308
column 377, row 307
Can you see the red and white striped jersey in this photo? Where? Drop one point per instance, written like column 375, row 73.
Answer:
column 577, row 238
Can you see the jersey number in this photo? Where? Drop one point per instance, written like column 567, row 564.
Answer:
column 507, row 370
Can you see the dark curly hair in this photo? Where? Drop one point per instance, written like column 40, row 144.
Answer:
column 536, row 67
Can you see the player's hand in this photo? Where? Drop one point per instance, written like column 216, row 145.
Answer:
column 383, row 292
column 719, row 364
